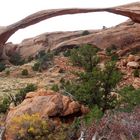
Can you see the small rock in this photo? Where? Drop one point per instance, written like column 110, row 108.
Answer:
column 133, row 65
column 131, row 58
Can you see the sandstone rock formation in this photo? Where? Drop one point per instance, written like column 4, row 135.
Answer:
column 125, row 36
column 47, row 103
column 131, row 10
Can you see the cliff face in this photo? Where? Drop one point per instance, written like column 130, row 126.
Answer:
column 131, row 10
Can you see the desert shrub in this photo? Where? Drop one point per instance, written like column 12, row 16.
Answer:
column 2, row 67
column 85, row 57
column 55, row 87
column 30, row 127
column 67, row 53
column 136, row 73
column 20, row 96
column 44, row 60
column 4, row 105
column 95, row 88
column 16, row 59
column 86, row 32
column 130, row 98
column 7, row 72
column 24, row 72
column 36, row 66
column 40, row 54
column 33, row 127
column 16, row 99
column 94, row 114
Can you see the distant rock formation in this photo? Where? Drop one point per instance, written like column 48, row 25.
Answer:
column 130, row 10
column 126, row 37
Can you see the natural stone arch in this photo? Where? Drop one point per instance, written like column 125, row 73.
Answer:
column 131, row 10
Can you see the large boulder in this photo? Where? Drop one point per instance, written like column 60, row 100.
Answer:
column 47, row 103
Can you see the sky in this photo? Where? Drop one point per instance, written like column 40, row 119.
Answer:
column 13, row 10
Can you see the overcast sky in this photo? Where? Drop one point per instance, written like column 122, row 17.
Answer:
column 14, row 10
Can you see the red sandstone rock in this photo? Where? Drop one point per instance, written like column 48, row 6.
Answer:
column 47, row 103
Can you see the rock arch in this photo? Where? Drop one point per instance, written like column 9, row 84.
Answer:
column 130, row 10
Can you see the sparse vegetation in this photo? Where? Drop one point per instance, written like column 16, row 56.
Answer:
column 67, row 53
column 4, row 105
column 36, row 66
column 44, row 60
column 16, row 99
column 20, row 96
column 24, row 72
column 16, row 59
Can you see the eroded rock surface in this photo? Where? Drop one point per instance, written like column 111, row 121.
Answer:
column 46, row 103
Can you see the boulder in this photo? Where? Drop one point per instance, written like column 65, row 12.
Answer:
column 47, row 103
column 133, row 65
column 131, row 58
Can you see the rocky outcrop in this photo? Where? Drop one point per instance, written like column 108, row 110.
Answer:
column 131, row 10
column 47, row 104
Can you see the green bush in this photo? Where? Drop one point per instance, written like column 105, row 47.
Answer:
column 20, row 96
column 24, row 72
column 4, row 105
column 16, row 59
column 2, row 67
column 85, row 57
column 55, row 88
column 44, row 60
column 94, row 114
column 114, row 57
column 36, row 66
column 95, row 88
column 67, row 53
column 86, row 32
column 40, row 54
column 130, row 98
column 136, row 73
